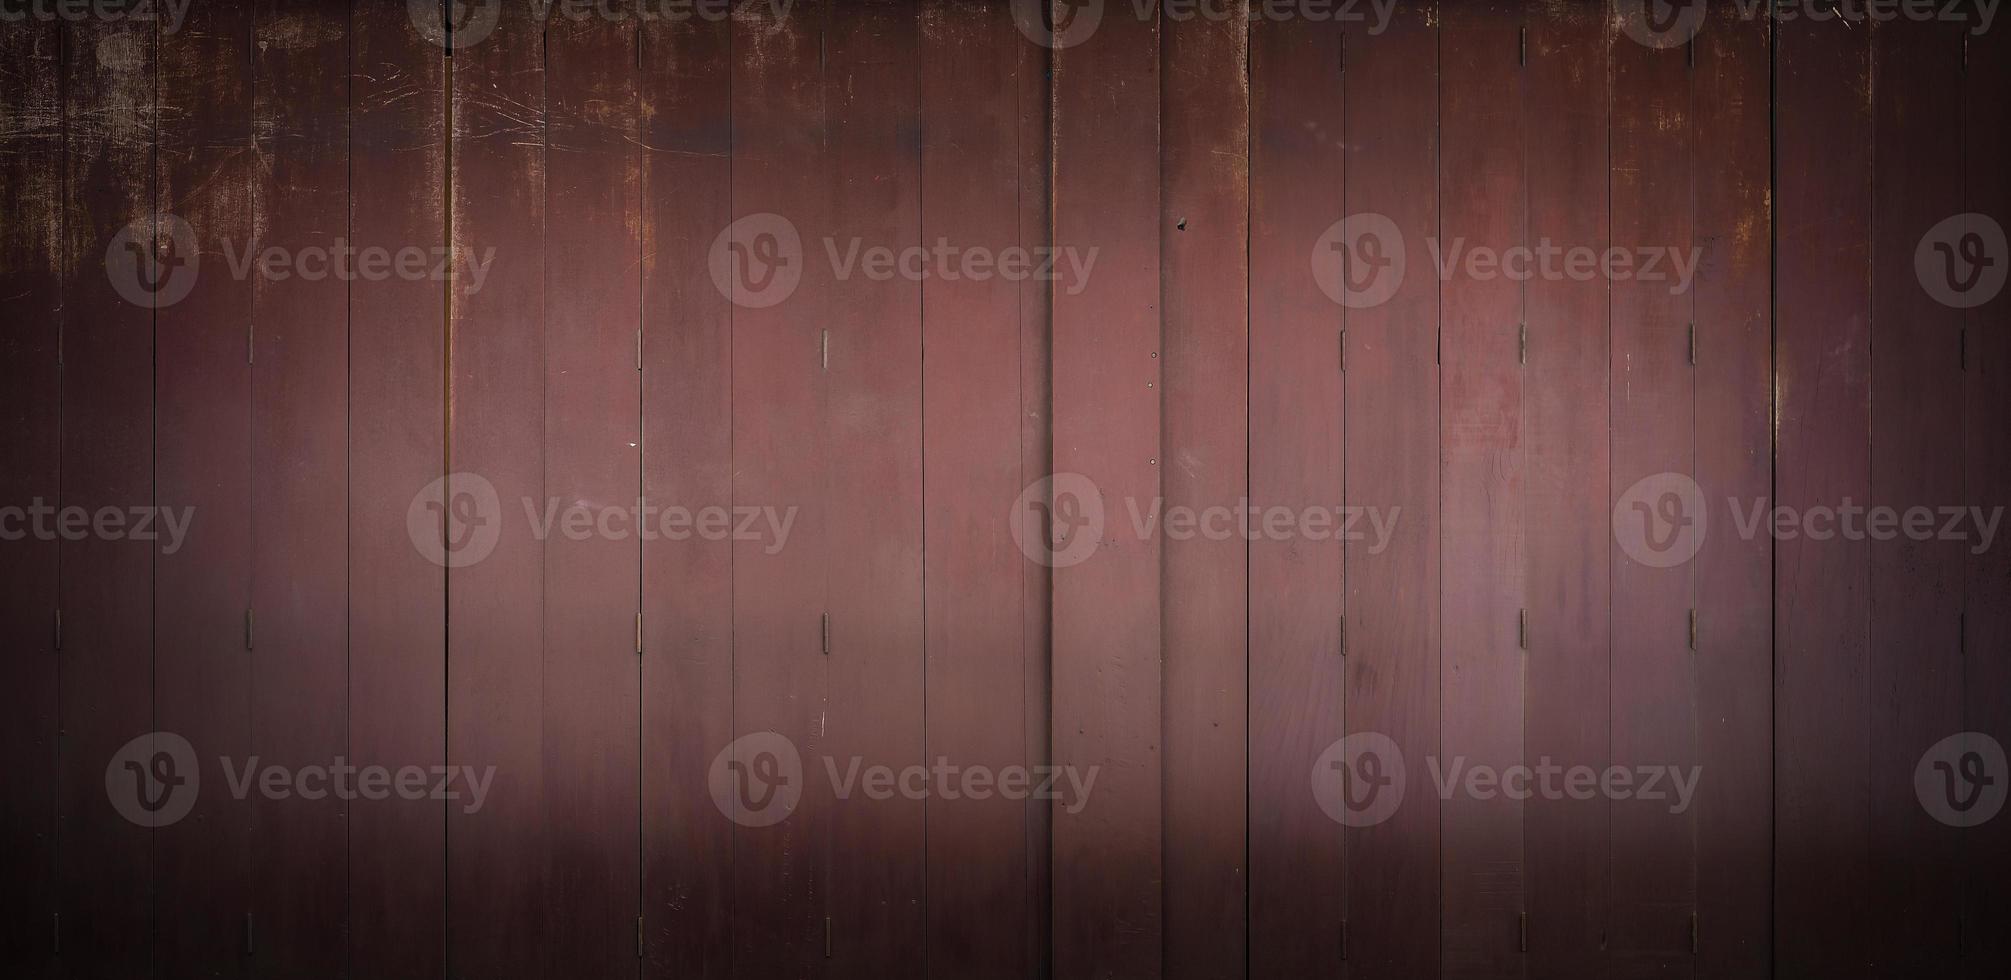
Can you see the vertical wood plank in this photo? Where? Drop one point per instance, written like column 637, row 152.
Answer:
column 1107, row 428
column 1986, row 646
column 873, row 430
column 1731, row 127
column 1822, row 393
column 299, row 440
column 1296, row 393
column 105, row 585
column 972, row 389
column 397, row 435
column 593, row 438
column 781, row 140
column 1916, row 465
column 1034, row 163
column 1393, row 880
column 1568, row 707
column 687, row 671
column 1653, row 436
column 204, row 465
column 31, row 274
column 496, row 865
column 1482, row 190
column 1204, row 236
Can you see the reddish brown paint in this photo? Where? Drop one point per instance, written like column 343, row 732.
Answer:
column 299, row 439
column 1916, row 461
column 1568, row 699
column 1392, row 461
column 904, row 454
column 1107, row 427
column 874, row 491
column 781, row 140
column 1986, row 646
column 1033, row 163
column 687, row 419
column 1732, row 226
column 1204, row 240
column 593, row 439
column 1483, row 195
column 1297, row 164
column 1822, row 910
column 1653, row 432
column 1822, row 455
column 31, row 275
column 104, row 587
column 397, row 435
column 202, row 394
column 977, row 850
column 496, row 871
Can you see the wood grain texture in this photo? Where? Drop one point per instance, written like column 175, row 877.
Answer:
column 105, row 584
column 1107, row 428
column 203, row 462
column 1034, row 163
column 1733, row 227
column 1297, row 402
column 872, row 427
column 1483, row 196
column 1204, row 267
column 1986, row 645
column 397, row 446
column 1568, row 708
column 32, row 109
column 1653, row 434
column 593, row 438
column 299, row 448
column 687, row 419
column 781, row 134
column 1915, row 673
column 498, row 351
column 972, row 392
column 1822, row 376
column 1394, row 885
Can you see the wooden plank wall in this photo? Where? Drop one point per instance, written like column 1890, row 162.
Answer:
column 693, row 495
